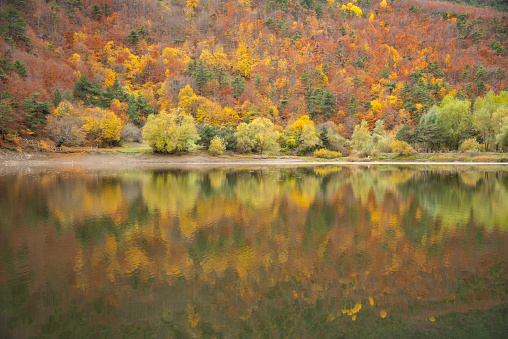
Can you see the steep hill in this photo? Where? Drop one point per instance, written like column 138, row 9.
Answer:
column 280, row 59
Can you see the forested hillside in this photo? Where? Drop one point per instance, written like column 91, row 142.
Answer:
column 115, row 62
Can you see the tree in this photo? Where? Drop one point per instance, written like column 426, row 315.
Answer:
column 12, row 27
column 455, row 121
column 265, row 135
column 502, row 136
column 20, row 68
column 86, row 91
column 309, row 138
column 244, row 138
column 35, row 112
column 170, row 132
column 111, row 127
column 96, row 11
column 65, row 125
column 484, row 110
column 237, row 86
column 217, row 146
column 133, row 37
column 361, row 136
column 260, row 135
column 201, row 74
column 57, row 97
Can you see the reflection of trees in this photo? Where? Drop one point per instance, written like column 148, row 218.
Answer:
column 456, row 198
column 199, row 249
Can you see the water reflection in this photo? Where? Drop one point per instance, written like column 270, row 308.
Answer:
column 313, row 251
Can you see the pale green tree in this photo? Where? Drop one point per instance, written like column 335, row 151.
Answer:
column 361, row 136
column 265, row 135
column 244, row 138
column 455, row 121
column 170, row 132
column 483, row 116
column 309, row 138
column 502, row 136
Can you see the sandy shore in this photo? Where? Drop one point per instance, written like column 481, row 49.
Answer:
column 117, row 159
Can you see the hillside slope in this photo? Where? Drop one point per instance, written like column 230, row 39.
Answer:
column 280, row 59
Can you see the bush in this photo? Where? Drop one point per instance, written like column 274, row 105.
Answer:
column 470, row 146
column 327, row 154
column 402, row 148
column 217, row 146
column 131, row 133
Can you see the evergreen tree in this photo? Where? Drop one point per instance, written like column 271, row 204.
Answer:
column 133, row 37
column 96, row 11
column 73, row 5
column 206, row 135
column 354, row 106
column 323, row 136
column 20, row 68
column 201, row 74
column 12, row 27
column 35, row 112
column 86, row 91
column 237, row 85
column 327, row 104
column 57, row 97
column 138, row 109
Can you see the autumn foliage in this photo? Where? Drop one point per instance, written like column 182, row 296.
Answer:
column 334, row 62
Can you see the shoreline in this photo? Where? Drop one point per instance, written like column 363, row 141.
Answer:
column 108, row 159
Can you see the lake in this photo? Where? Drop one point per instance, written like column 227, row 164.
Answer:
column 221, row 252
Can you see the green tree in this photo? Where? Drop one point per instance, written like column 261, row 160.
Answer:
column 309, row 139
column 73, row 5
column 455, row 121
column 244, row 138
column 201, row 74
column 12, row 27
column 57, row 97
column 206, row 135
column 170, row 132
column 484, row 110
column 361, row 136
column 265, row 135
column 502, row 136
column 20, row 68
column 133, row 37
column 96, row 11
column 35, row 112
column 237, row 86
column 89, row 93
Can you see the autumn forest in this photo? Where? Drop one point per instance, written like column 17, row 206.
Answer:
column 361, row 74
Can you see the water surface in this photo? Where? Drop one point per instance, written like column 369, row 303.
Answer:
column 314, row 251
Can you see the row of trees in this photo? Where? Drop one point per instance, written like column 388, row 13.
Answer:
column 452, row 122
column 446, row 126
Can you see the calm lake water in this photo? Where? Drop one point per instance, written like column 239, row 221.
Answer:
column 305, row 252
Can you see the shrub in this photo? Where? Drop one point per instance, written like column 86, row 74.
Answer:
column 402, row 148
column 470, row 145
column 131, row 133
column 327, row 154
column 217, row 146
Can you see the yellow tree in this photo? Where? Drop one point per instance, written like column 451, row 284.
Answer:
column 65, row 126
column 170, row 132
column 110, row 127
